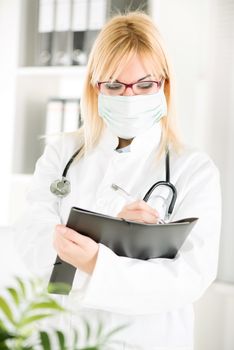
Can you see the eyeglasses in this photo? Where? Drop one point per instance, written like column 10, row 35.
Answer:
column 116, row 88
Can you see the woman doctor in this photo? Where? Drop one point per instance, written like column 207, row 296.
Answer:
column 129, row 121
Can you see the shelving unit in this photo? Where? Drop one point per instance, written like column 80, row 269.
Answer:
column 34, row 85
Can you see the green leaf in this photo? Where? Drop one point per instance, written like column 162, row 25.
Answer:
column 45, row 340
column 75, row 339
column 4, row 335
column 6, row 310
column 31, row 319
column 99, row 330
column 3, row 346
column 2, row 325
column 113, row 331
column 13, row 293
column 35, row 284
column 61, row 340
column 88, row 330
column 21, row 286
column 52, row 305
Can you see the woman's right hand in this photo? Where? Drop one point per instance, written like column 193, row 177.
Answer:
column 139, row 211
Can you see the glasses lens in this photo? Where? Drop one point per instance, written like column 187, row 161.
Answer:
column 145, row 87
column 111, row 88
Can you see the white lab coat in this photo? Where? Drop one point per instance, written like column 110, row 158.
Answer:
column 154, row 297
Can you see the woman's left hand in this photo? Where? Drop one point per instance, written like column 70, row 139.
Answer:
column 76, row 249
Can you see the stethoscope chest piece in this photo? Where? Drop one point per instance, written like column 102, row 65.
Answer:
column 61, row 187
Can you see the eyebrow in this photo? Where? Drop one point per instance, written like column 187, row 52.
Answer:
column 147, row 76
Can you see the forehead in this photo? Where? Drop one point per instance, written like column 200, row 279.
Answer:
column 134, row 70
column 128, row 68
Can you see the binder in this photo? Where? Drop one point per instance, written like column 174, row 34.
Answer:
column 71, row 120
column 45, row 30
column 79, row 27
column 62, row 36
column 96, row 19
column 79, row 15
column 54, row 117
column 125, row 238
column 97, row 14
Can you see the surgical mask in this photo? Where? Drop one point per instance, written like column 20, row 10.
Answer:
column 129, row 116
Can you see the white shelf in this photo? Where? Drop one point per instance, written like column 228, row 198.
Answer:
column 58, row 72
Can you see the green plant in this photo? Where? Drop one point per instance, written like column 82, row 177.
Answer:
column 23, row 308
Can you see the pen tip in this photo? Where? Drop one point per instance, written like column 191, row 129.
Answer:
column 115, row 187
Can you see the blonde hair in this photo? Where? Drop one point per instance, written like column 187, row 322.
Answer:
column 121, row 38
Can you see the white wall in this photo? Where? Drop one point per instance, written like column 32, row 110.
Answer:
column 221, row 126
column 214, row 318
column 185, row 27
column 11, row 264
column 8, row 57
column 200, row 39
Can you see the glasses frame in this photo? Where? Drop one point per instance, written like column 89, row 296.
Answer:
column 159, row 84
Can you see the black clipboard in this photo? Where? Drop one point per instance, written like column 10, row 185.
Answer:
column 125, row 238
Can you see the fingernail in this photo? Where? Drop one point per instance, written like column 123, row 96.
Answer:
column 61, row 228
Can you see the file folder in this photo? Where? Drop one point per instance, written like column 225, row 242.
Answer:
column 126, row 238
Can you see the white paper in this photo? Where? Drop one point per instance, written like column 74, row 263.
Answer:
column 54, row 117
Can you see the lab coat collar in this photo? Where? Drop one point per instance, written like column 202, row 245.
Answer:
column 145, row 142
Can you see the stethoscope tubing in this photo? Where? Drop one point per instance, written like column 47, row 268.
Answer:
column 164, row 183
column 173, row 190
column 64, row 174
column 64, row 182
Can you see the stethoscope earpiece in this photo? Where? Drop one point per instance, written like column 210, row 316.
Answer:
column 61, row 188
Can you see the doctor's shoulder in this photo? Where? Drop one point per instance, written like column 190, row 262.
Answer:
column 191, row 161
column 64, row 145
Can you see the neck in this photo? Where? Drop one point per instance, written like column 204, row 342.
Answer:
column 123, row 143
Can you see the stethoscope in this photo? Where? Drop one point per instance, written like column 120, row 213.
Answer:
column 62, row 187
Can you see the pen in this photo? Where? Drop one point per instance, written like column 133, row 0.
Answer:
column 130, row 198
column 123, row 193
